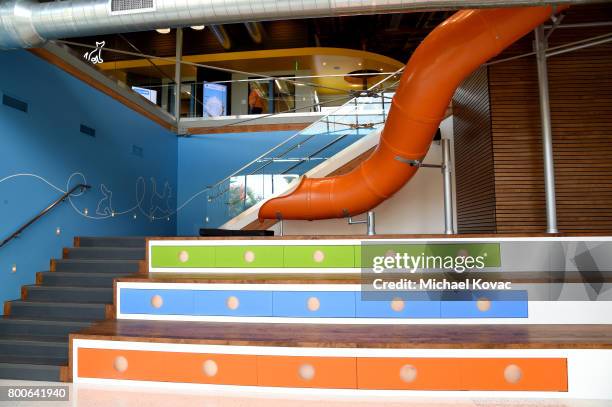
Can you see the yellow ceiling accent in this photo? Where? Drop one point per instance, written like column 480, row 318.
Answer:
column 317, row 60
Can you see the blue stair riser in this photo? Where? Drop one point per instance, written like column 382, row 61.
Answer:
column 133, row 242
column 34, row 371
column 316, row 304
column 105, row 253
column 96, row 266
column 60, row 279
column 58, row 310
column 69, row 294
column 34, row 348
column 16, row 327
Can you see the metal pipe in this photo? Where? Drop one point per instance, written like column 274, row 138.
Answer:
column 42, row 213
column 221, row 35
column 562, row 48
column 581, row 25
column 177, row 74
column 449, row 223
column 28, row 23
column 369, row 221
column 255, row 31
column 577, row 47
column 547, row 146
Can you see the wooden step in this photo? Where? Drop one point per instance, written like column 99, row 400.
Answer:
column 351, row 357
column 383, row 336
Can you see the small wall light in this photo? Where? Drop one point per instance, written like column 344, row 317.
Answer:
column 134, row 216
column 58, row 231
column 86, row 211
column 14, row 268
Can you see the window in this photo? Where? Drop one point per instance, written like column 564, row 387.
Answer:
column 271, row 96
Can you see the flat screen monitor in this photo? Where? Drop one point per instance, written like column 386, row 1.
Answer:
column 214, row 100
column 148, row 94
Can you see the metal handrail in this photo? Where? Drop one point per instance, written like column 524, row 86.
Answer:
column 61, row 199
column 286, row 141
column 320, row 150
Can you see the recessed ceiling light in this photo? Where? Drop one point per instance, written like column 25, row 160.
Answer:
column 360, row 64
column 198, row 27
column 163, row 30
column 324, row 63
column 381, row 69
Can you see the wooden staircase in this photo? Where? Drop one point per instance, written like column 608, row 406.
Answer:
column 76, row 291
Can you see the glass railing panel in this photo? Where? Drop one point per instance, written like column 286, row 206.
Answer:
column 153, row 77
column 273, row 172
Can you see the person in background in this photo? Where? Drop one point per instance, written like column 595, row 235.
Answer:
column 256, row 102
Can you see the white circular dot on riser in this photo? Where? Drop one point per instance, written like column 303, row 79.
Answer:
column 120, row 364
column 306, row 372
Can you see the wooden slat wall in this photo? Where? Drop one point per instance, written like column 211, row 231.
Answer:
column 581, row 110
column 474, row 156
column 517, row 147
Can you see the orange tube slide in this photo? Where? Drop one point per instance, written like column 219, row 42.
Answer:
column 450, row 53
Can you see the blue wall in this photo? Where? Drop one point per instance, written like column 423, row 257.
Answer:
column 47, row 142
column 206, row 159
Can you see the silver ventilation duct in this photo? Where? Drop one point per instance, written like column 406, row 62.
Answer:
column 27, row 23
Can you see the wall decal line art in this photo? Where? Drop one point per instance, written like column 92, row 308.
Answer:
column 95, row 56
column 105, row 204
column 159, row 204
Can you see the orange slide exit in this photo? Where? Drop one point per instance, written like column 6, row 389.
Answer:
column 450, row 53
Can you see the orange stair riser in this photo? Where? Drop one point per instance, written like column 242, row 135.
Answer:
column 180, row 367
column 432, row 374
column 291, row 371
column 475, row 374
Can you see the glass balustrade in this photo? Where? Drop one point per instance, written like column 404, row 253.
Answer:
column 274, row 172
